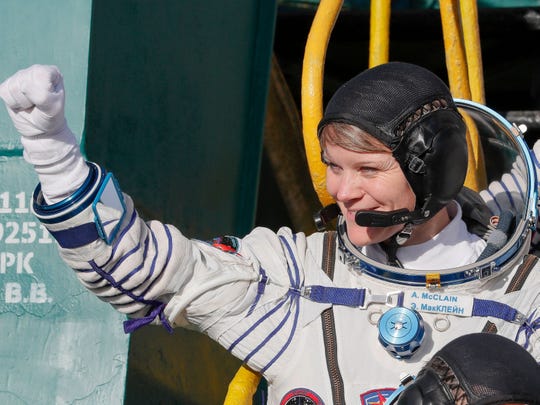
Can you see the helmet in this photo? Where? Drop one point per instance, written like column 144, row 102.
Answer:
column 411, row 111
column 512, row 189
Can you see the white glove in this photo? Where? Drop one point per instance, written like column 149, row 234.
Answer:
column 34, row 99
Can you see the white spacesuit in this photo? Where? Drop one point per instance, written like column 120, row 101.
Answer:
column 345, row 329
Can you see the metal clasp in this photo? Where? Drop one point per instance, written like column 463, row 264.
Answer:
column 391, row 299
column 305, row 291
column 519, row 319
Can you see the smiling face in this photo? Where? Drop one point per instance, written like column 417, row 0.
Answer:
column 368, row 180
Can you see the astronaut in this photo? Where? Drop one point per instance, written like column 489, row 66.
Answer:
column 334, row 317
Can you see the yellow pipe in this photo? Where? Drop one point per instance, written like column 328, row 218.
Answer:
column 456, row 63
column 242, row 387
column 462, row 56
column 476, row 178
column 312, row 91
column 379, row 32
column 471, row 39
column 476, row 170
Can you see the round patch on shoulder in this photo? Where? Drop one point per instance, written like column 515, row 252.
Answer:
column 301, row 396
column 229, row 244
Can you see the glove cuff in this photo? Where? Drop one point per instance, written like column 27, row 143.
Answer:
column 58, row 162
column 62, row 179
column 93, row 211
column 49, row 148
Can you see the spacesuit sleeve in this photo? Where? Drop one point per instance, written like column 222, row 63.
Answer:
column 243, row 293
column 138, row 266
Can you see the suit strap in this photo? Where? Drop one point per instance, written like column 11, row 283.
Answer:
column 328, row 324
column 516, row 284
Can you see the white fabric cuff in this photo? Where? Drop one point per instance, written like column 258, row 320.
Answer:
column 58, row 162
column 62, row 179
column 48, row 148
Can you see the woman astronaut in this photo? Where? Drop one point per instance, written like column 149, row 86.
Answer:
column 419, row 260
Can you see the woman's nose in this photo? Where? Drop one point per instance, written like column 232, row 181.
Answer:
column 349, row 188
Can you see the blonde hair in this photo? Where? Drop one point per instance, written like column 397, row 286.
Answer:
column 350, row 137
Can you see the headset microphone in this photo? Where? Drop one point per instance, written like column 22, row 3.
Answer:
column 376, row 219
column 384, row 218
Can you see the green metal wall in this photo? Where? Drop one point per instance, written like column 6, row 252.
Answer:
column 58, row 344
column 170, row 95
column 178, row 111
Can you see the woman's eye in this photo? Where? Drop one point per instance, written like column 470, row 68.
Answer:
column 368, row 169
column 329, row 164
column 333, row 168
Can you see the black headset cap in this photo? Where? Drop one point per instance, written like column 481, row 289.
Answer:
column 410, row 110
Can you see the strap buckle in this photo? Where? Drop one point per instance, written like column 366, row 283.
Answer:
column 519, row 319
column 391, row 299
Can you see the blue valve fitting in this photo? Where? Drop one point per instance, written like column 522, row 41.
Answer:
column 401, row 331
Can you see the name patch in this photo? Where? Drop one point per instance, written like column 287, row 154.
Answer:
column 439, row 303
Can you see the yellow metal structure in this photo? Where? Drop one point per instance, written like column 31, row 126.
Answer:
column 242, row 387
column 465, row 77
column 456, row 60
column 379, row 32
column 471, row 39
column 312, row 90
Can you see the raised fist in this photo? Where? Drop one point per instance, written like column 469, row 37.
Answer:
column 34, row 99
